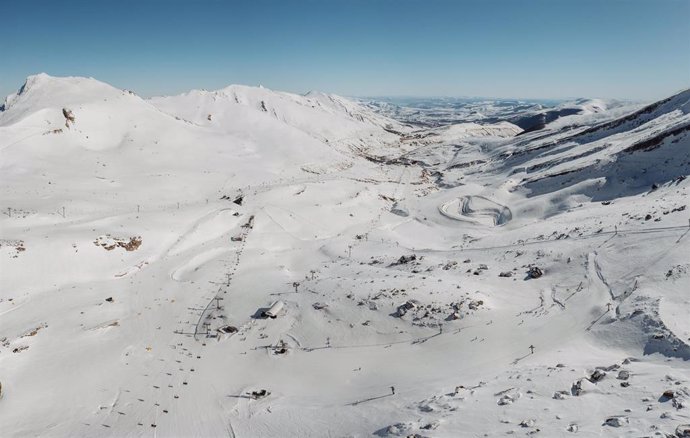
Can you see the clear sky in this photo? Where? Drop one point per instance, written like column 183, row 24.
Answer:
column 635, row 49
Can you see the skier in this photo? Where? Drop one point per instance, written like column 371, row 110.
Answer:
column 531, row 347
column 392, row 390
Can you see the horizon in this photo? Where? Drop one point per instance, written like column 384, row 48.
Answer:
column 363, row 97
column 534, row 50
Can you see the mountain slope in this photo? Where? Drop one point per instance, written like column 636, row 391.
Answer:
column 132, row 149
column 625, row 156
column 327, row 118
column 451, row 281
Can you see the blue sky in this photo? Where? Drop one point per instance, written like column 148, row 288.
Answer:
column 631, row 49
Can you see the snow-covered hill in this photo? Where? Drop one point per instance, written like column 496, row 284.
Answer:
column 328, row 118
column 458, row 280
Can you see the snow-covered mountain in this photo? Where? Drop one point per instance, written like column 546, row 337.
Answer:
column 460, row 278
column 326, row 117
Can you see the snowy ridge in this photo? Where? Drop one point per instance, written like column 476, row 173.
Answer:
column 325, row 117
column 633, row 152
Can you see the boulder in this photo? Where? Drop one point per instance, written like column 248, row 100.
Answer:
column 617, row 421
column 69, row 116
column 560, row 395
column 534, row 272
column 507, row 399
column 261, row 393
column 406, row 259
column 528, row 423
column 406, row 306
column 474, row 305
column 683, row 431
column 597, row 376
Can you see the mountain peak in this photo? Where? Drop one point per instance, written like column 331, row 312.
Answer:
column 45, row 91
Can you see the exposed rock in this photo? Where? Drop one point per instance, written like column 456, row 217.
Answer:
column 623, row 375
column 403, row 260
column 528, row 423
column 508, row 399
column 597, row 376
column 261, row 393
column 617, row 421
column 449, row 265
column 582, row 386
column 534, row 272
column 407, row 305
column 560, row 395
column 431, row 426
column 474, row 305
column 69, row 116
column 613, row 367
column 109, row 243
column 399, row 429
column 668, row 394
column 576, row 388
column 683, row 431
